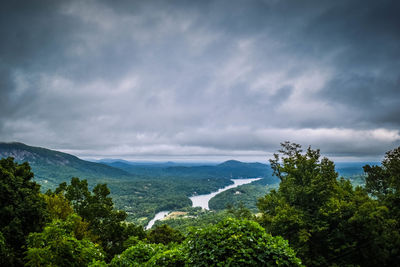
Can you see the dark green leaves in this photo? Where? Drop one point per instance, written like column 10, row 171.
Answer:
column 238, row 243
column 328, row 221
column 22, row 208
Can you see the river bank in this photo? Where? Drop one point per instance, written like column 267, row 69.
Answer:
column 202, row 200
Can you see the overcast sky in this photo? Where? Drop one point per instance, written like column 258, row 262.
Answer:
column 211, row 80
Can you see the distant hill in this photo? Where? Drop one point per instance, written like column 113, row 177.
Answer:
column 53, row 167
column 122, row 162
column 245, row 169
column 228, row 169
column 231, row 163
column 352, row 168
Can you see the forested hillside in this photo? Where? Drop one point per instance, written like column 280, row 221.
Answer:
column 53, row 167
column 228, row 169
column 140, row 190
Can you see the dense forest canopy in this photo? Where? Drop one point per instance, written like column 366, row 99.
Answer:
column 326, row 219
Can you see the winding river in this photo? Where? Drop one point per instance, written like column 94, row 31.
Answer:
column 158, row 216
column 202, row 200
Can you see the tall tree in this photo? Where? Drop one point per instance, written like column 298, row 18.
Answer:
column 22, row 208
column 325, row 219
column 97, row 209
column 62, row 244
column 383, row 183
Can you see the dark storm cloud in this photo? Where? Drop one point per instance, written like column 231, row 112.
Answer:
column 367, row 69
column 129, row 78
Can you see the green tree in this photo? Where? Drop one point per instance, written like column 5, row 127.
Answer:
column 145, row 254
column 164, row 234
column 59, row 245
column 326, row 220
column 383, row 183
column 3, row 251
column 234, row 242
column 173, row 257
column 137, row 255
column 58, row 206
column 97, row 209
column 240, row 212
column 22, row 208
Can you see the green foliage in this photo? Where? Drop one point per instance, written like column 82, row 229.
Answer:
column 143, row 199
column 59, row 245
column 195, row 217
column 232, row 242
column 145, row 254
column 4, row 254
column 98, row 263
column 98, row 210
column 22, row 208
column 58, row 206
column 235, row 242
column 137, row 255
column 383, row 182
column 246, row 194
column 240, row 212
column 356, row 180
column 174, row 257
column 131, row 241
column 164, row 234
column 325, row 219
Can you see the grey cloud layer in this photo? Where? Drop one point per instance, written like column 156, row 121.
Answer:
column 200, row 77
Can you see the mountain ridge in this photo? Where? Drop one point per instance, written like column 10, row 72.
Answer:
column 56, row 166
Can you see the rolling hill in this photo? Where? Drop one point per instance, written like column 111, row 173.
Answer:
column 226, row 170
column 53, row 167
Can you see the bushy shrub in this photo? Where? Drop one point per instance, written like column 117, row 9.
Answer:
column 137, row 255
column 235, row 242
column 174, row 257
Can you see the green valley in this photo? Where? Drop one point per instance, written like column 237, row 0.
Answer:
column 140, row 189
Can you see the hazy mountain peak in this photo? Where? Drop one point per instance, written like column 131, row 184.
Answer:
column 230, row 162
